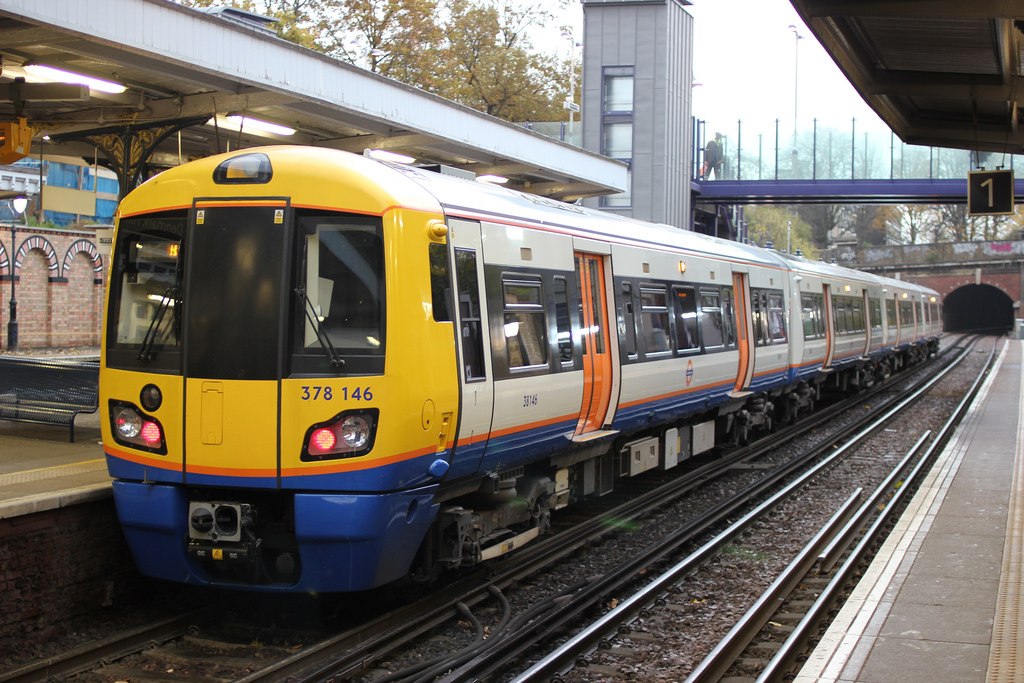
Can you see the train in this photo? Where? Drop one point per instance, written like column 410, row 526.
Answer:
column 324, row 373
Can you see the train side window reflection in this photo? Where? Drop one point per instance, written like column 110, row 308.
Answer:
column 711, row 326
column 686, row 319
column 654, row 320
column 525, row 326
column 469, row 314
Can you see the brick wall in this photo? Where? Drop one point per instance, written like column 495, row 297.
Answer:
column 60, row 282
column 58, row 565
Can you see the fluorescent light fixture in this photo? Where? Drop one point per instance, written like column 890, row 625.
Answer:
column 384, row 155
column 494, row 179
column 40, row 73
column 247, row 124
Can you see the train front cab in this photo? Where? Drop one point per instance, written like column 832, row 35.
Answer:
column 263, row 427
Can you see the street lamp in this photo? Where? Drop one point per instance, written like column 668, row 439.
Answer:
column 796, row 85
column 570, row 101
column 19, row 204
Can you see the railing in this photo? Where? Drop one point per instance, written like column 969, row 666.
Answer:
column 777, row 151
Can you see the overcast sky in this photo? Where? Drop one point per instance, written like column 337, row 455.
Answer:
column 745, row 56
column 744, row 59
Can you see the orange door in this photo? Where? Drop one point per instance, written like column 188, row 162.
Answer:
column 830, row 330
column 744, row 320
column 597, row 360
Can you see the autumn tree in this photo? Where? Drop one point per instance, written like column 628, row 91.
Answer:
column 779, row 225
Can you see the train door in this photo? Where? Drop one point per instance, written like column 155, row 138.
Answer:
column 830, row 328
column 476, row 378
column 869, row 323
column 744, row 324
column 233, row 330
column 599, row 370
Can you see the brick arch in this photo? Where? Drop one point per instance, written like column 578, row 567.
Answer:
column 89, row 249
column 42, row 244
column 5, row 262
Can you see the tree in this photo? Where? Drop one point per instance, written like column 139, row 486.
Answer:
column 779, row 225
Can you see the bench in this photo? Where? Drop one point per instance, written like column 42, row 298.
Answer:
column 48, row 391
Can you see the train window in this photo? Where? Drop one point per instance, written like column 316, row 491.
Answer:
column 469, row 314
column 440, row 279
column 627, row 320
column 857, row 315
column 759, row 311
column 890, row 313
column 728, row 318
column 686, row 319
column 776, row 317
column 711, row 327
column 146, row 287
column 525, row 325
column 654, row 320
column 875, row 314
column 563, row 323
column 906, row 314
column 344, row 284
column 814, row 323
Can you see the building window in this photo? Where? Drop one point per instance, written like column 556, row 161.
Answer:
column 617, row 125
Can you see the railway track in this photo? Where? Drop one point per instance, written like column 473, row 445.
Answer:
column 370, row 650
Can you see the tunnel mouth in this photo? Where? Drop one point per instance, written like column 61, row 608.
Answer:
column 978, row 308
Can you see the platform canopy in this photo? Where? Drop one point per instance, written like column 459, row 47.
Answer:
column 939, row 72
column 184, row 68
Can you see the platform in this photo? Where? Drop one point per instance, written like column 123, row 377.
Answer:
column 941, row 600
column 40, row 470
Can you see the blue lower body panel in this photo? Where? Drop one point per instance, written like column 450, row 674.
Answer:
column 345, row 542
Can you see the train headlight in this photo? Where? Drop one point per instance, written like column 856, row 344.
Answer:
column 346, row 435
column 131, row 427
column 128, row 423
column 355, row 431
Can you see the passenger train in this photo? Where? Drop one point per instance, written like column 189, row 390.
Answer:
column 323, row 373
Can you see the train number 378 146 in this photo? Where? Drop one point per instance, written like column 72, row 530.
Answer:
column 318, row 393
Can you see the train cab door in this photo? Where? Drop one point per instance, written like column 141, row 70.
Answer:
column 744, row 339
column 600, row 376
column 830, row 330
column 232, row 329
column 476, row 377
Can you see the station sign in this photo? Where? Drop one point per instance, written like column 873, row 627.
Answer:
column 990, row 193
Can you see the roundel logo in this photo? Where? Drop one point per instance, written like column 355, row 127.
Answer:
column 689, row 372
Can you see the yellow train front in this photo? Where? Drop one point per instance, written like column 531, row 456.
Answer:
column 278, row 397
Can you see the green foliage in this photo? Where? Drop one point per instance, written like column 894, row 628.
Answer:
column 779, row 225
column 474, row 52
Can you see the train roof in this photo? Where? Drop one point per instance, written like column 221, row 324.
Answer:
column 482, row 201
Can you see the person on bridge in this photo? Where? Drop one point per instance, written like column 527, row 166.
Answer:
column 713, row 158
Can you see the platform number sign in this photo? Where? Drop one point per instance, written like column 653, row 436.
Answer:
column 989, row 193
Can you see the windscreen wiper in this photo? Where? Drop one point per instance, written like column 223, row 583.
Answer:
column 325, row 342
column 166, row 300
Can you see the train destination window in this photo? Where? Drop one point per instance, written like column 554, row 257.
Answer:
column 344, row 284
column 654, row 320
column 525, row 325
